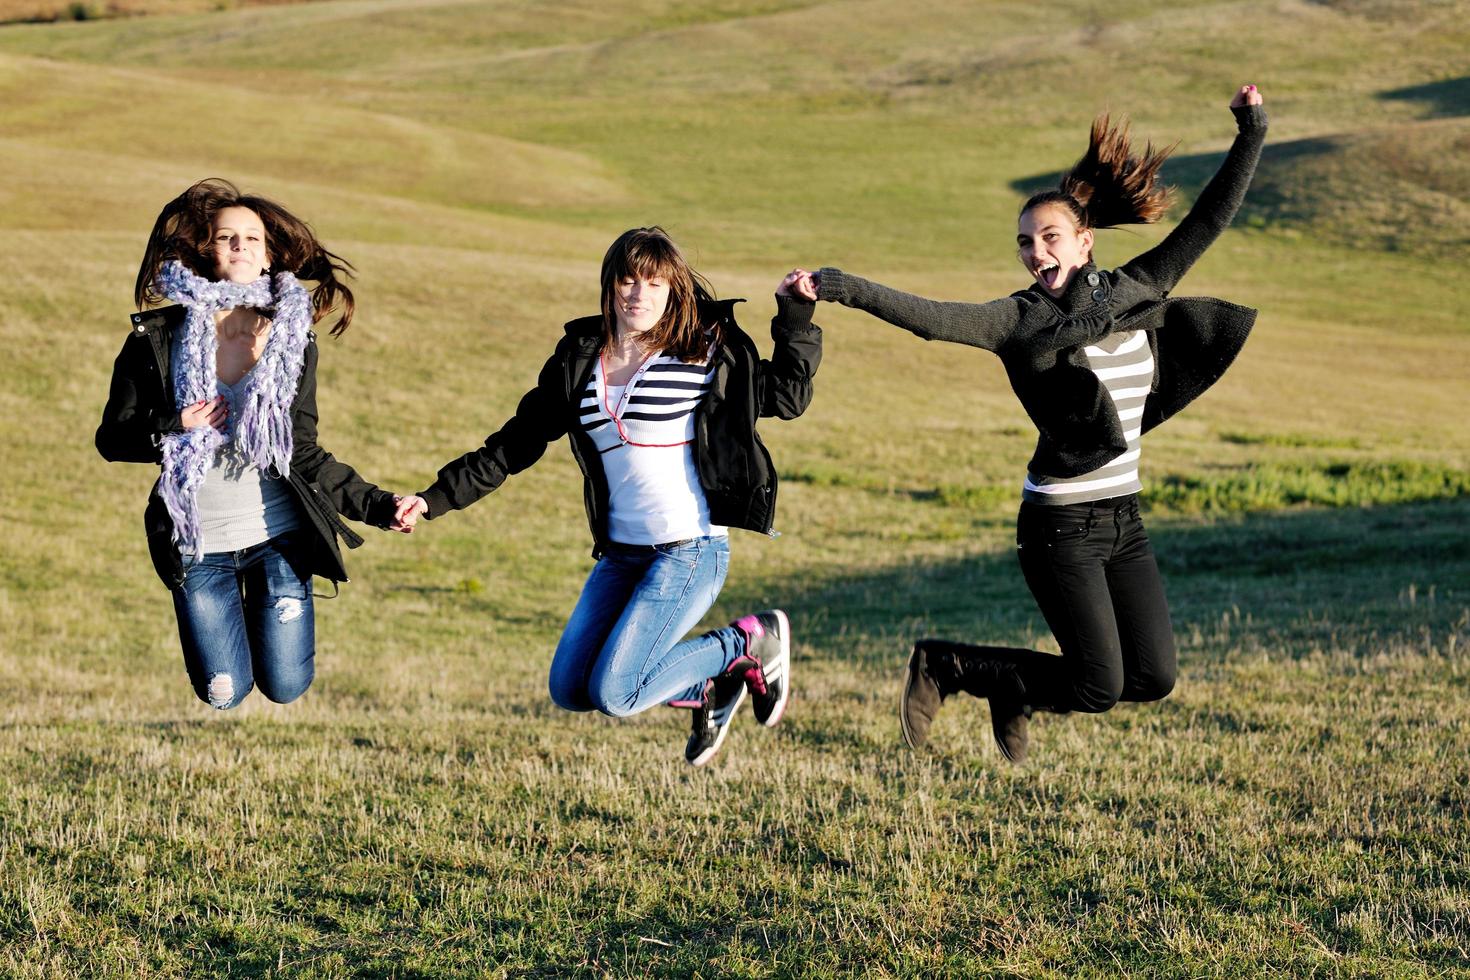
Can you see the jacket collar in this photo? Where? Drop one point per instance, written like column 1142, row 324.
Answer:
column 165, row 318
column 1078, row 296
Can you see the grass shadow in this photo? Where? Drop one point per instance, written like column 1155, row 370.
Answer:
column 1188, row 174
column 1360, row 581
column 1450, row 97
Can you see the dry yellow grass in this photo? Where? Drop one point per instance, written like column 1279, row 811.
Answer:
column 52, row 10
column 1298, row 807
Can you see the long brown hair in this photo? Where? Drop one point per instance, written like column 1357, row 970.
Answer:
column 1112, row 184
column 185, row 227
column 649, row 253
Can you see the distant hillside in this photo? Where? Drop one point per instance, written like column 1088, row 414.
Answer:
column 1398, row 188
column 41, row 11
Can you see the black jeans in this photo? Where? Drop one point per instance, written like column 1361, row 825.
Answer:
column 1092, row 571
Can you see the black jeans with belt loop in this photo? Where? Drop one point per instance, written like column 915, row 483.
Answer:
column 1092, row 571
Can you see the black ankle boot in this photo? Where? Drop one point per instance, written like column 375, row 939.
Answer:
column 939, row 668
column 1032, row 684
column 1009, row 721
column 996, row 674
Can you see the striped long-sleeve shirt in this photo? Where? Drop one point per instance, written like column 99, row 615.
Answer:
column 1124, row 364
column 644, row 431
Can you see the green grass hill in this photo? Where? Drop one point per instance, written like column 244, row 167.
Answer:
column 1297, row 807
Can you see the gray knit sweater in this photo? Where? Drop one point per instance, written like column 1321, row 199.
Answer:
column 1039, row 338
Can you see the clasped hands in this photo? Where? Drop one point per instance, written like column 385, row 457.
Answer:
column 406, row 512
column 801, row 284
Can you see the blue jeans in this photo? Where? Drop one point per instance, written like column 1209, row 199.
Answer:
column 245, row 619
column 620, row 654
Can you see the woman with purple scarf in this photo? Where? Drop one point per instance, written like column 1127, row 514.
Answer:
column 219, row 391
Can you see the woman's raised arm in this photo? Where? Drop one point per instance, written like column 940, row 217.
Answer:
column 1166, row 263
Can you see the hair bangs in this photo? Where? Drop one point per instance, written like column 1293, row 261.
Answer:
column 649, row 257
column 649, row 253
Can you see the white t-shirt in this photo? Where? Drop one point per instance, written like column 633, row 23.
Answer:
column 644, row 431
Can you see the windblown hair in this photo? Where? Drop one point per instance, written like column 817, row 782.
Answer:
column 649, row 253
column 1111, row 185
column 185, row 227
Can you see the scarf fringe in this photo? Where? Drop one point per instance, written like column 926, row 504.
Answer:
column 263, row 430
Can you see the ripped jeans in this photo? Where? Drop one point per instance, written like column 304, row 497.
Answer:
column 245, row 620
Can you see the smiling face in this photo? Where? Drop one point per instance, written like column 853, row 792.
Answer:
column 639, row 302
column 1052, row 247
column 237, row 245
column 650, row 294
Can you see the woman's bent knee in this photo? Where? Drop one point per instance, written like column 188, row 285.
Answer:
column 569, row 697
column 285, row 694
column 1153, row 688
column 221, row 691
column 614, row 704
column 613, row 698
column 1095, row 698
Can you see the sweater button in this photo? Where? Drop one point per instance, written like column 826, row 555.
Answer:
column 1099, row 294
column 1092, row 279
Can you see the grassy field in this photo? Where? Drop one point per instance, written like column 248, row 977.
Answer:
column 50, row 11
column 1297, row 807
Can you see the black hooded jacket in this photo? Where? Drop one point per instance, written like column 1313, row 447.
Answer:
column 735, row 470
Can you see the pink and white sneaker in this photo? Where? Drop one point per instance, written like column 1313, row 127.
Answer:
column 768, row 677
column 712, row 717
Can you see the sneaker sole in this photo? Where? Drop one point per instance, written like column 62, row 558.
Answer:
column 714, row 749
column 784, row 660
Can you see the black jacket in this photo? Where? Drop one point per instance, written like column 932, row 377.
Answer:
column 735, row 470
column 140, row 411
column 1040, row 339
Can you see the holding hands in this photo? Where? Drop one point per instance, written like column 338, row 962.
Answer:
column 1246, row 95
column 799, row 283
column 407, row 511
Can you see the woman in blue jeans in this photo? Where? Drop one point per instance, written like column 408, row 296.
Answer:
column 659, row 395
column 219, row 391
column 1098, row 358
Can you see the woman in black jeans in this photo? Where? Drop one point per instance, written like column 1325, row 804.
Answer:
column 1097, row 358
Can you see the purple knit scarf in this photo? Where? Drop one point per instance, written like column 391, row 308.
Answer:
column 262, row 429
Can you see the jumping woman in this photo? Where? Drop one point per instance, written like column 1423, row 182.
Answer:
column 1097, row 358
column 659, row 395
column 219, row 391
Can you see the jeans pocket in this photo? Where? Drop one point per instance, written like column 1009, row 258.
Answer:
column 1068, row 534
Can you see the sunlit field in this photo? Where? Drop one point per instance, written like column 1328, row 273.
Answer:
column 1297, row 807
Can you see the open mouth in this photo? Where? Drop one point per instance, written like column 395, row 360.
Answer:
column 1049, row 275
